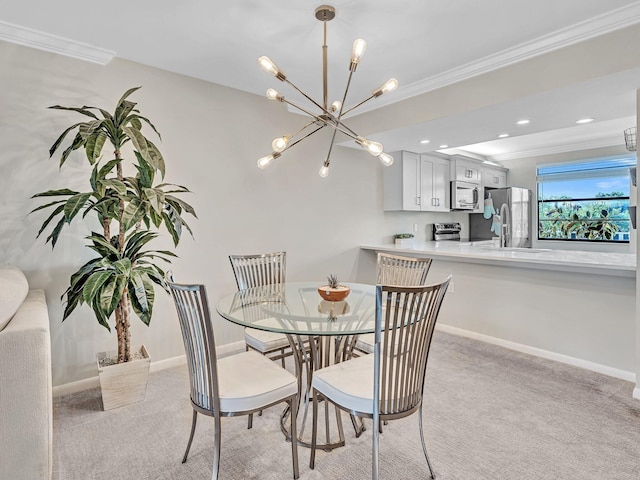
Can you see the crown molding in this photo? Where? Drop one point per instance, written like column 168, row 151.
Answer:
column 611, row 141
column 594, row 27
column 28, row 37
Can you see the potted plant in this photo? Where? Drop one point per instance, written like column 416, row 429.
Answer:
column 404, row 239
column 333, row 291
column 130, row 209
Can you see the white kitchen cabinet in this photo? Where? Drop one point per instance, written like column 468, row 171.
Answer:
column 434, row 183
column 466, row 169
column 494, row 177
column 416, row 183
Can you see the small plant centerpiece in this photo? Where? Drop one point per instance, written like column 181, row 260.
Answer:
column 404, row 239
column 129, row 205
column 333, row 291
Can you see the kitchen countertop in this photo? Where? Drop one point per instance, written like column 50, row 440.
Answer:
column 600, row 263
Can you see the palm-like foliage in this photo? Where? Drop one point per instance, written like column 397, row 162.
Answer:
column 123, row 274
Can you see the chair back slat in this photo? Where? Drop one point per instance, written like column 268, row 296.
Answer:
column 199, row 343
column 257, row 270
column 405, row 328
column 403, row 271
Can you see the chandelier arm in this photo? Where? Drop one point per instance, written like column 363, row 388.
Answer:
column 308, row 97
column 342, row 128
column 344, row 97
column 313, row 115
column 333, row 138
column 302, row 138
column 361, row 103
column 312, row 122
column 347, row 130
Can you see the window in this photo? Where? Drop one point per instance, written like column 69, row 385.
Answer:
column 585, row 201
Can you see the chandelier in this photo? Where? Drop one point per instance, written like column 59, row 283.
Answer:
column 328, row 115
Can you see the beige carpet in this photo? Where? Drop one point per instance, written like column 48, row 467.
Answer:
column 490, row 413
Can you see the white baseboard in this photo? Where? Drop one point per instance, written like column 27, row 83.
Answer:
column 538, row 352
column 73, row 387
column 168, row 363
column 93, row 382
column 636, row 393
column 230, row 348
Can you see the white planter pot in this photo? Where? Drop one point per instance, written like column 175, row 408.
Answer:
column 124, row 383
column 404, row 242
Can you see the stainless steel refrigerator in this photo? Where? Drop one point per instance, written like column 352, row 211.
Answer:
column 517, row 210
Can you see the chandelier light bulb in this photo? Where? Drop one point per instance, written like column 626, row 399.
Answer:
column 386, row 159
column 324, row 171
column 359, row 46
column 388, row 86
column 374, row 148
column 336, row 106
column 272, row 94
column 268, row 66
column 264, row 162
column 280, row 143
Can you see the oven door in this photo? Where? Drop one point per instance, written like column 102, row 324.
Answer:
column 464, row 196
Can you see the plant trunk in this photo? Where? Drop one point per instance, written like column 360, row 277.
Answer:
column 122, row 328
column 123, row 310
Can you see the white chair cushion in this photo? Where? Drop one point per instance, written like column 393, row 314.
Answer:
column 13, row 290
column 349, row 383
column 249, row 381
column 264, row 341
column 366, row 342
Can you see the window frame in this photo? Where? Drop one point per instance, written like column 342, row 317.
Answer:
column 593, row 168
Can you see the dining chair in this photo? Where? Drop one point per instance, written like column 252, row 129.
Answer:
column 395, row 270
column 390, row 383
column 240, row 384
column 256, row 271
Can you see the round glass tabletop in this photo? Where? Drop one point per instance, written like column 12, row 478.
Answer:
column 298, row 308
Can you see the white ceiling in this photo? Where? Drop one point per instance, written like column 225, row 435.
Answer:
column 425, row 44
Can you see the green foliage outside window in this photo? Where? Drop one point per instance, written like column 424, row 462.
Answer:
column 590, row 219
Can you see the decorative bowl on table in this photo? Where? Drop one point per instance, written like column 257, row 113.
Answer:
column 333, row 291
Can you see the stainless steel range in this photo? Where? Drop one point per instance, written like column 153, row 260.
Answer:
column 446, row 231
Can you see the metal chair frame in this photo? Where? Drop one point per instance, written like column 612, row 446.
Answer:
column 403, row 338
column 197, row 331
column 401, row 271
column 258, row 270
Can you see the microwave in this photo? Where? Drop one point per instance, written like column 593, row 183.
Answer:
column 464, row 196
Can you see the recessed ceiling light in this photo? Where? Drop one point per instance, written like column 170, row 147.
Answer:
column 585, row 120
column 444, row 146
column 424, row 141
column 524, row 121
column 503, row 135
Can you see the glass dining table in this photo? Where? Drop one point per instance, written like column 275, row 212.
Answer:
column 320, row 333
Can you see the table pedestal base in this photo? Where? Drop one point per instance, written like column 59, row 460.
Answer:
column 312, row 353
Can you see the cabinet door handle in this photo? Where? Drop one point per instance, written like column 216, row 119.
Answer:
column 496, row 180
column 417, row 200
column 437, row 202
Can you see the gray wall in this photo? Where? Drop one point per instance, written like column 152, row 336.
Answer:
column 212, row 137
